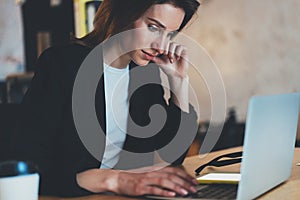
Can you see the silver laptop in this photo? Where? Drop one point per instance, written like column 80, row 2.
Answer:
column 268, row 150
column 270, row 135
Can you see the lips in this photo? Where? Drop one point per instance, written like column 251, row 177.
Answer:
column 149, row 56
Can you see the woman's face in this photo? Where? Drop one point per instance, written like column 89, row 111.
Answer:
column 152, row 32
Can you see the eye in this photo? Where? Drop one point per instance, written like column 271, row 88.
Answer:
column 153, row 28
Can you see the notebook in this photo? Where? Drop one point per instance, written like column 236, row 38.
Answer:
column 268, row 149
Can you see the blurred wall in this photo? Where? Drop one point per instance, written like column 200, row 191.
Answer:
column 255, row 45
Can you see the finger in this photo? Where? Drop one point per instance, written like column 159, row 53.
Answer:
column 186, row 184
column 184, row 54
column 175, row 179
column 161, row 60
column 168, row 184
column 180, row 52
column 181, row 173
column 159, row 191
column 166, row 48
column 171, row 53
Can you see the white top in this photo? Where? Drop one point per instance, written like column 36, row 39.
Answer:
column 116, row 83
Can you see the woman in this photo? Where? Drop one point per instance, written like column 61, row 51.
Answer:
column 49, row 136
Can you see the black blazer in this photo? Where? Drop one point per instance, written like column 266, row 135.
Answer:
column 47, row 135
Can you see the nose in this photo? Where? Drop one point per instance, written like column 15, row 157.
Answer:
column 160, row 44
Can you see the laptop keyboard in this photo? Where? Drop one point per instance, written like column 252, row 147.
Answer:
column 215, row 191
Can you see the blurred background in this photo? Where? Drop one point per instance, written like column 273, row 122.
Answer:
column 254, row 44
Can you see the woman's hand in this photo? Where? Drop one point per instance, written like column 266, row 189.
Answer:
column 167, row 181
column 174, row 63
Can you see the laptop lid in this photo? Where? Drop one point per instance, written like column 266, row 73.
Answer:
column 269, row 143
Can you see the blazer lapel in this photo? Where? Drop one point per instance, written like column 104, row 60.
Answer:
column 100, row 104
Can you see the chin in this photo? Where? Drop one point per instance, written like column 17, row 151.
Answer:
column 138, row 58
column 141, row 62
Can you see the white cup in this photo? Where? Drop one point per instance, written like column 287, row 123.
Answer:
column 18, row 181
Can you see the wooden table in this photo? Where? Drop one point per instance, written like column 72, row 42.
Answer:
column 288, row 190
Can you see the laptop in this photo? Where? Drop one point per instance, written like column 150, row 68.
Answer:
column 268, row 150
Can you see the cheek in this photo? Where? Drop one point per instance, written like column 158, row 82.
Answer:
column 141, row 39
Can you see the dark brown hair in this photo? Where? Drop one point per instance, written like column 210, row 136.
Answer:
column 115, row 16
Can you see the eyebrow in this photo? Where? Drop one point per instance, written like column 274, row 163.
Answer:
column 160, row 24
